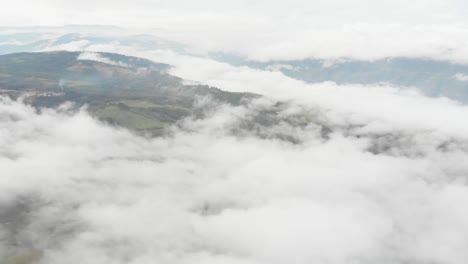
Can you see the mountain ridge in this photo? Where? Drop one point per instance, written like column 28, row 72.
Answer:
column 127, row 91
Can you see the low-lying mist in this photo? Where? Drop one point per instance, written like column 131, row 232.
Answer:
column 259, row 183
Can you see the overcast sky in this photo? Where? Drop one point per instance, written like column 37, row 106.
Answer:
column 295, row 29
column 155, row 13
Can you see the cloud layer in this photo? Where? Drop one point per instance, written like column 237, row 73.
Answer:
column 224, row 189
column 266, row 30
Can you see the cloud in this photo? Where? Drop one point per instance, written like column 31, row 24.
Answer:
column 227, row 189
column 275, row 30
column 461, row 77
column 333, row 44
column 279, row 67
column 71, row 46
column 360, row 103
column 98, row 57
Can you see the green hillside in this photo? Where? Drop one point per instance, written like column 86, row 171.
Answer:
column 125, row 91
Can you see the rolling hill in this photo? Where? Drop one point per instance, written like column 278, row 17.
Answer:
column 127, row 91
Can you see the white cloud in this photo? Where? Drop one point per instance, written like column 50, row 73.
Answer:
column 92, row 56
column 71, row 46
column 360, row 103
column 265, row 30
column 206, row 195
column 461, row 77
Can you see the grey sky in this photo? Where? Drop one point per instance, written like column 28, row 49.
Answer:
column 264, row 30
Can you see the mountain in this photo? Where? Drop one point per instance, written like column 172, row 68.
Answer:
column 35, row 39
column 127, row 91
column 431, row 77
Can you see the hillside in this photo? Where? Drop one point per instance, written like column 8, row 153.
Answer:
column 127, row 91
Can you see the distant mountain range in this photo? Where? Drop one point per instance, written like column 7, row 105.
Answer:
column 433, row 78
column 41, row 39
